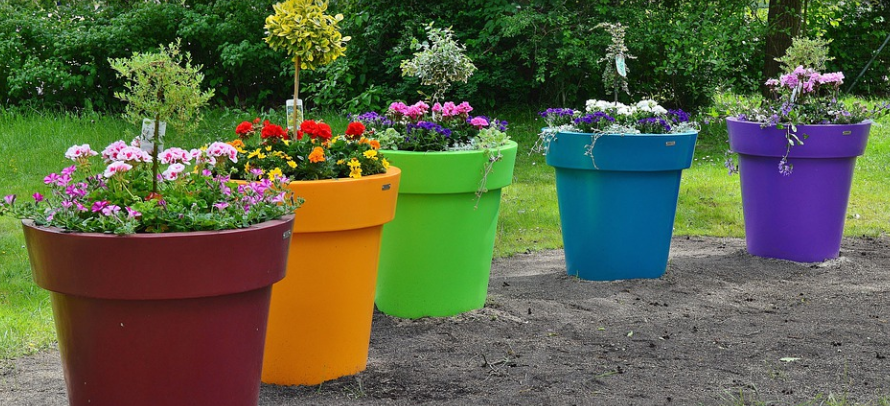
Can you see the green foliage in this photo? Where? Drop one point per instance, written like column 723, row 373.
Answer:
column 856, row 30
column 160, row 87
column 439, row 62
column 806, row 52
column 302, row 28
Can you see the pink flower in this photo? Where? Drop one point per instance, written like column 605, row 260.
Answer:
column 52, row 178
column 133, row 154
column 80, row 207
column 834, row 77
column 437, row 108
column 221, row 149
column 37, row 197
column 175, row 155
column 221, row 205
column 398, row 107
column 110, row 152
column 99, row 206
column 173, row 171
column 772, row 82
column 279, row 198
column 80, row 151
column 449, row 109
column 132, row 213
column 67, row 204
column 206, row 172
column 116, row 168
column 69, row 170
column 479, row 122
column 464, row 108
column 9, row 199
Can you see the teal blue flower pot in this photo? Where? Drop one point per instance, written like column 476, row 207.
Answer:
column 617, row 202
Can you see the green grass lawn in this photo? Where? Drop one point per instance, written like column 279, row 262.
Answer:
column 32, row 145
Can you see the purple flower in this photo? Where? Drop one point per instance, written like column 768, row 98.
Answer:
column 429, row 127
column 52, row 178
column 132, row 213
column 557, row 112
column 678, row 116
column 221, row 205
column 110, row 210
column 38, row 197
column 99, row 206
column 9, row 199
column 784, row 167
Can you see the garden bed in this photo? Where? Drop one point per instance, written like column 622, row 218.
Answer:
column 719, row 326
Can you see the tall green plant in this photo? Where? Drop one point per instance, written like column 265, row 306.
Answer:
column 617, row 54
column 439, row 62
column 312, row 37
column 165, row 87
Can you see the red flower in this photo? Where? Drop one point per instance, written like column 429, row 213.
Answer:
column 324, row 131
column 256, row 120
column 355, row 130
column 273, row 131
column 244, row 129
column 299, row 135
column 309, row 128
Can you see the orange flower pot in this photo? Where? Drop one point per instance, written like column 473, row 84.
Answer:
column 320, row 316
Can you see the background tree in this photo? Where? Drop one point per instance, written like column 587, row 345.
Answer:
column 783, row 24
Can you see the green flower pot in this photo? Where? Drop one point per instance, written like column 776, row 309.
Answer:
column 435, row 256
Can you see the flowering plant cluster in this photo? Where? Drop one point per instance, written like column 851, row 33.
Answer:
column 113, row 192
column 268, row 151
column 603, row 117
column 804, row 96
column 440, row 127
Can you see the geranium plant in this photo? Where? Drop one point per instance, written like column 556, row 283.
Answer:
column 804, row 96
column 124, row 189
column 266, row 150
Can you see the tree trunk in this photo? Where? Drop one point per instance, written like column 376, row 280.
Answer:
column 296, row 93
column 783, row 24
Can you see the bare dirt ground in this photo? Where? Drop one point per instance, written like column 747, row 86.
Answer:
column 720, row 325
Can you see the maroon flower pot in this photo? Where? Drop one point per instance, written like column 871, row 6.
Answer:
column 161, row 319
column 798, row 217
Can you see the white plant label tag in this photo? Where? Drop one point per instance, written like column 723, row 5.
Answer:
column 620, row 65
column 146, row 139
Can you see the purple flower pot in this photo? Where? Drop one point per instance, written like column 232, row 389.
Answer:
column 798, row 217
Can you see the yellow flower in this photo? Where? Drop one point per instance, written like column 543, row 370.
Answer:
column 370, row 154
column 282, row 155
column 341, row 161
column 292, row 164
column 257, row 154
column 268, row 148
column 317, row 155
column 275, row 173
column 355, row 168
column 385, row 163
column 286, row 142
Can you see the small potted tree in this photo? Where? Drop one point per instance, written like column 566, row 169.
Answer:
column 310, row 36
column 143, row 315
column 618, row 170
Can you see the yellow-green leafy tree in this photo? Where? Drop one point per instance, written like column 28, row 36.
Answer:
column 308, row 34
